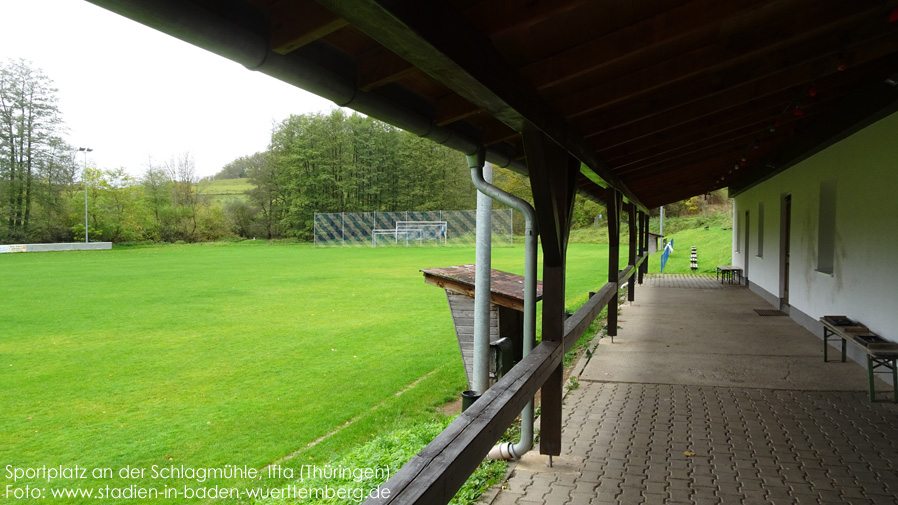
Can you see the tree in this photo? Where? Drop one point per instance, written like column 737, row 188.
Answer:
column 29, row 121
column 157, row 198
column 268, row 194
column 181, row 172
column 351, row 163
column 54, row 213
column 236, row 169
column 118, row 211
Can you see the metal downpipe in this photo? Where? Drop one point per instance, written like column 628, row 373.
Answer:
column 516, row 450
column 482, row 289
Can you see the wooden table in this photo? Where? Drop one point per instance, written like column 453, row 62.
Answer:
column 728, row 272
column 880, row 352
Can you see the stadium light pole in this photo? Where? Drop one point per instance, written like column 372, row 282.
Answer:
column 85, row 150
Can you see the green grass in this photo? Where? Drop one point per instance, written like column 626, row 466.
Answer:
column 385, row 455
column 222, row 190
column 713, row 244
column 243, row 354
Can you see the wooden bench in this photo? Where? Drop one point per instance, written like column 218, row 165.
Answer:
column 880, row 352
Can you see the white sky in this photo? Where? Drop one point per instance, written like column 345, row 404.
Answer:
column 131, row 93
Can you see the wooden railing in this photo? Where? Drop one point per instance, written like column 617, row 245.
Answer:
column 436, row 473
column 576, row 325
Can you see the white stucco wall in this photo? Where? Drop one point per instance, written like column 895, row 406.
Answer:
column 864, row 283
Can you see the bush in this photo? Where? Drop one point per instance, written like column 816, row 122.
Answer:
column 391, row 451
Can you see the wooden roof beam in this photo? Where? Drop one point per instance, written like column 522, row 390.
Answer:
column 670, row 188
column 612, row 48
column 874, row 101
column 441, row 42
column 713, row 68
column 741, row 136
column 679, row 123
column 492, row 17
column 496, row 18
column 452, row 108
column 701, row 98
column 309, row 22
column 379, row 67
column 729, row 150
column 755, row 123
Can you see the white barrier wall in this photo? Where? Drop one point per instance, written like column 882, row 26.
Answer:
column 73, row 246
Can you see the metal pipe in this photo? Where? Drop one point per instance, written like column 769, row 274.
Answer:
column 85, row 150
column 196, row 25
column 482, row 286
column 511, row 450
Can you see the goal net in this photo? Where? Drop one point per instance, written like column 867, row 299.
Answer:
column 407, row 229
column 411, row 231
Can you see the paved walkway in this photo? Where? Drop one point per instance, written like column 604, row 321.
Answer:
column 701, row 400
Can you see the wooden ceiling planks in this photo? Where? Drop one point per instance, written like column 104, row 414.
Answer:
column 440, row 41
column 700, row 98
column 697, row 56
column 379, row 67
column 452, row 107
column 297, row 23
column 673, row 83
column 664, row 95
column 625, row 48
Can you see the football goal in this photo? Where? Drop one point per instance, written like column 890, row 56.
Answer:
column 439, row 228
column 412, row 232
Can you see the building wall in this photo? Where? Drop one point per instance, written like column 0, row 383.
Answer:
column 863, row 283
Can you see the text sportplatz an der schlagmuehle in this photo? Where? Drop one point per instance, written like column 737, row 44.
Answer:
column 157, row 481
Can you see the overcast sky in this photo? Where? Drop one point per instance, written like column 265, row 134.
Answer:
column 130, row 92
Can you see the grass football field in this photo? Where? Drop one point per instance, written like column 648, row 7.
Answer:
column 222, row 354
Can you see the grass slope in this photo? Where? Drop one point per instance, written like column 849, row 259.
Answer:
column 222, row 190
column 243, row 354
column 712, row 236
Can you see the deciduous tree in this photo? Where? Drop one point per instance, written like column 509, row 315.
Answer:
column 29, row 122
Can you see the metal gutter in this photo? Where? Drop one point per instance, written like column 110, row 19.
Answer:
column 512, row 450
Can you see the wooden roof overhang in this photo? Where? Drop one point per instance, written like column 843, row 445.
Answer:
column 506, row 289
column 660, row 99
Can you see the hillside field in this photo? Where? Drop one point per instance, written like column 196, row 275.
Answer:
column 214, row 354
column 223, row 190
column 712, row 237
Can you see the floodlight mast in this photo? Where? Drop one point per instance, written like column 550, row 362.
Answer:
column 85, row 150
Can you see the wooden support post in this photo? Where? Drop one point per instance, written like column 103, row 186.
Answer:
column 552, row 391
column 613, row 204
column 553, row 175
column 634, row 236
column 642, row 243
column 644, row 233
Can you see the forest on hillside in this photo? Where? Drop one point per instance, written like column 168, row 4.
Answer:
column 324, row 162
column 321, row 162
column 339, row 162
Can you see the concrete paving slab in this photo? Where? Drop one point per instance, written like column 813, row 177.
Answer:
column 739, row 408
column 713, row 337
column 702, row 369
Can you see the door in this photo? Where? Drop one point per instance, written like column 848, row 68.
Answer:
column 745, row 253
column 785, row 246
